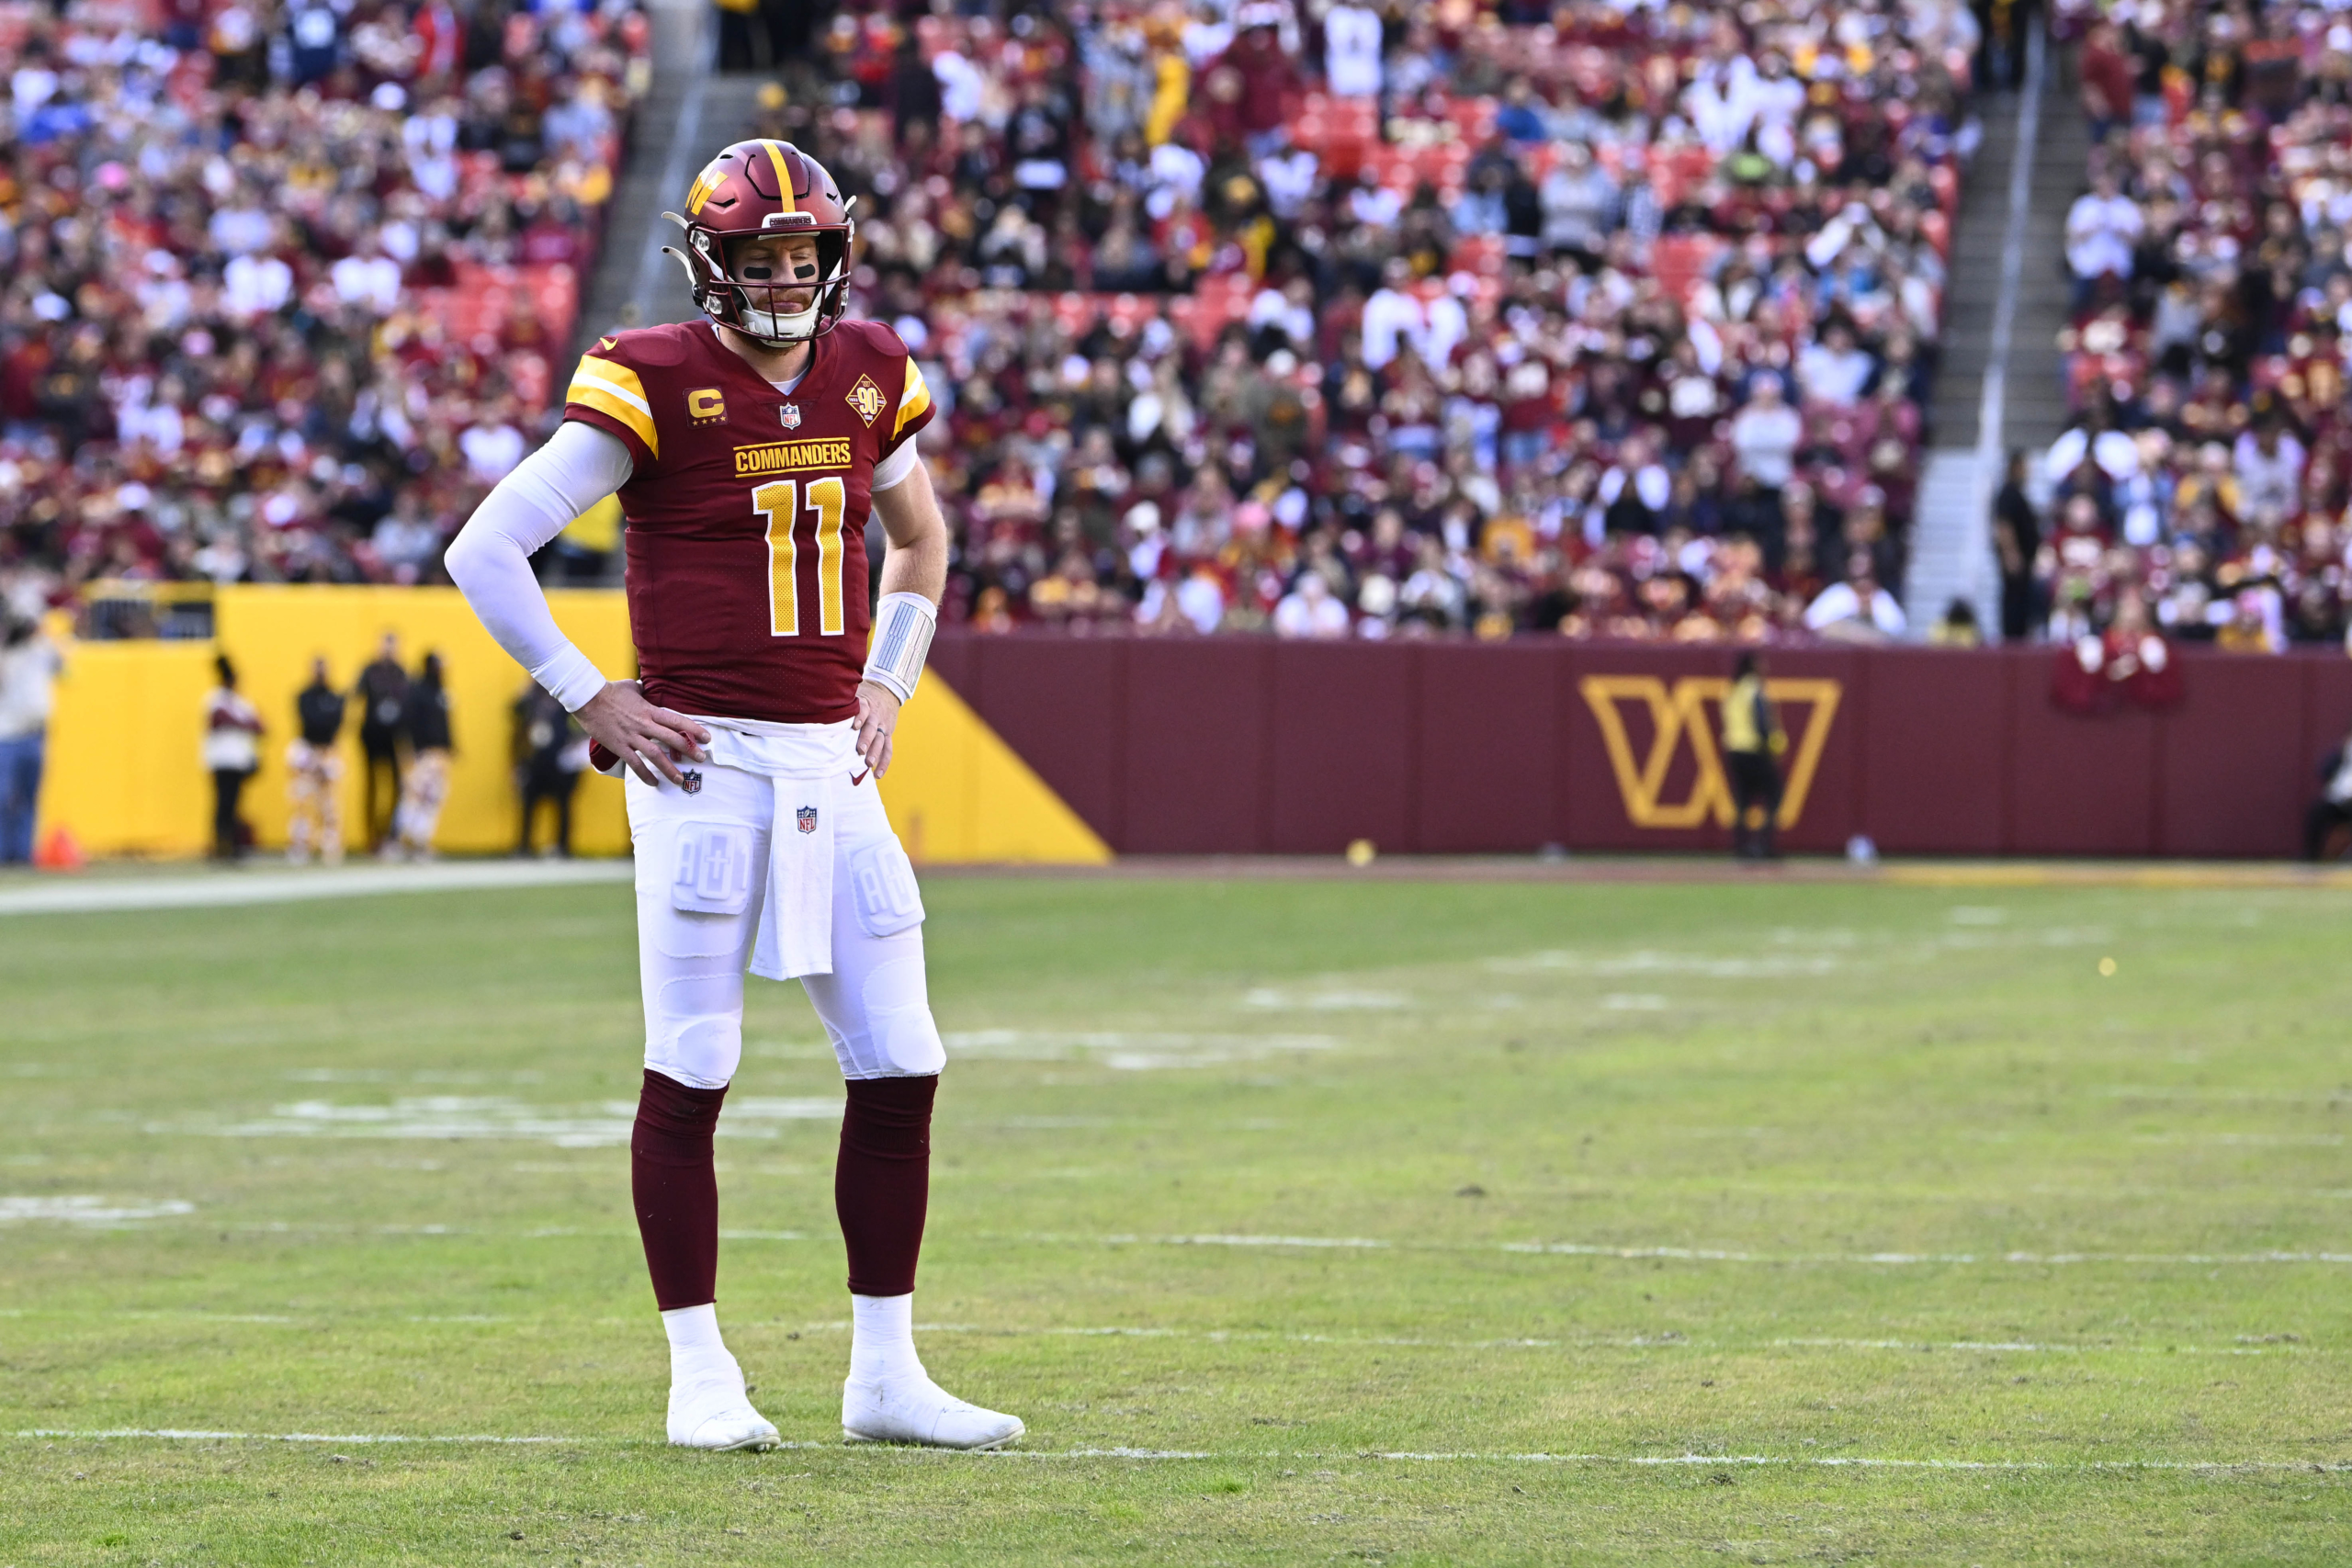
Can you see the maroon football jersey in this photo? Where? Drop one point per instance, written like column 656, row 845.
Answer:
column 747, row 512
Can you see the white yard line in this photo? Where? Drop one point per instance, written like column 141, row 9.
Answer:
column 1369, row 1244
column 1585, row 1342
column 1708, row 1255
column 1827, row 1461
column 204, row 890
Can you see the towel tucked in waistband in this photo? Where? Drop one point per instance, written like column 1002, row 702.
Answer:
column 806, row 765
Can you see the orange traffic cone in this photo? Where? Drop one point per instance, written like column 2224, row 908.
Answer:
column 60, row 851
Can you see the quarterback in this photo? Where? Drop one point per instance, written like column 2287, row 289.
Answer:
column 748, row 449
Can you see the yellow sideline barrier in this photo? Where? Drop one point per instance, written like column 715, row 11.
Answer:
column 126, row 777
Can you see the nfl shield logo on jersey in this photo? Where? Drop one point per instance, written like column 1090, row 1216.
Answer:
column 690, row 781
column 790, row 415
column 807, row 818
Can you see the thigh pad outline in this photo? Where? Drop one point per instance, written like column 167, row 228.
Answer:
column 883, row 881
column 712, row 869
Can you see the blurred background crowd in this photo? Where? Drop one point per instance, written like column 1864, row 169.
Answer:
column 1351, row 320
column 1331, row 320
column 2202, row 487
column 288, row 284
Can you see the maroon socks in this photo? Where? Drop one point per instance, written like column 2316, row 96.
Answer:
column 676, row 1190
column 882, row 1182
column 881, row 1185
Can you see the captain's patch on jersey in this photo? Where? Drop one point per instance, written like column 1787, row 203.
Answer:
column 783, row 457
column 706, row 405
column 866, row 398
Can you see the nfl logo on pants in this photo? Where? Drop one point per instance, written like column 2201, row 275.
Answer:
column 807, row 818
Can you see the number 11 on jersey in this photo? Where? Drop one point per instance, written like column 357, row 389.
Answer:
column 780, row 503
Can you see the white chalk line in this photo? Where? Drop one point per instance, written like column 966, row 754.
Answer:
column 1374, row 1244
column 1793, row 1462
column 2248, row 1345
column 1713, row 1255
column 218, row 889
column 1901, row 1260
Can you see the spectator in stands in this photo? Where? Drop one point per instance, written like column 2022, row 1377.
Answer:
column 232, row 729
column 1766, row 434
column 1352, row 51
column 1308, row 610
column 383, row 695
column 314, row 771
column 1856, row 609
column 1835, row 369
column 29, row 667
column 2103, row 229
column 2333, row 809
column 2108, row 79
column 1958, row 628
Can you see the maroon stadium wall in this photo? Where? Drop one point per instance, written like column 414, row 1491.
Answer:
column 1254, row 747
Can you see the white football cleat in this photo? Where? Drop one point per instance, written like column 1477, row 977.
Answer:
column 717, row 1414
column 917, row 1410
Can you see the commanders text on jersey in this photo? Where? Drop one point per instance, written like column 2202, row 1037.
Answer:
column 778, row 457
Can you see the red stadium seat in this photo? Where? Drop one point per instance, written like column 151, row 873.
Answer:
column 1680, row 262
column 1480, row 254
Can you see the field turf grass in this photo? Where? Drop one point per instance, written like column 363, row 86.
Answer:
column 1303, row 1221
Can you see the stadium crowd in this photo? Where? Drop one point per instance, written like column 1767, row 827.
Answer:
column 287, row 281
column 1327, row 318
column 1342, row 320
column 2202, row 487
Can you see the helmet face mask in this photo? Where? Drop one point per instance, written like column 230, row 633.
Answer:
column 764, row 191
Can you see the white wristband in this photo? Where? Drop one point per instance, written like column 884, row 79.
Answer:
column 902, row 626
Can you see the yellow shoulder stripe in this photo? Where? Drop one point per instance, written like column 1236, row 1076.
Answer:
column 783, row 174
column 615, row 390
column 912, row 401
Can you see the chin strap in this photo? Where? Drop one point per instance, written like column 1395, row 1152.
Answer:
column 903, row 624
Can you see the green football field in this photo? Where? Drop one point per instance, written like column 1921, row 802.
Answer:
column 1303, row 1220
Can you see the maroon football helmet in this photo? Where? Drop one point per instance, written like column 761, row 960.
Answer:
column 764, row 188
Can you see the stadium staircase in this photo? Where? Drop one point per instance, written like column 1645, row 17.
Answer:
column 2001, row 382
column 688, row 113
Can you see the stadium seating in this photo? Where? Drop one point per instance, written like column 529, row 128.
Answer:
column 2207, row 473
column 1470, row 351
column 281, row 308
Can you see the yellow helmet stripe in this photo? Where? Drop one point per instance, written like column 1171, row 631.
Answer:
column 783, row 174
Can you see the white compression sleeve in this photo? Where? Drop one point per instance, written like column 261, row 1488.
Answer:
column 489, row 561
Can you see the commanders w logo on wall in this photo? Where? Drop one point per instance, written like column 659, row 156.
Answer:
column 1687, row 712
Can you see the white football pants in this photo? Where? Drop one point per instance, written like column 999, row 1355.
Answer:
column 874, row 1005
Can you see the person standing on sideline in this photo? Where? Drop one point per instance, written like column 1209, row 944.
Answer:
column 550, row 753
column 2017, row 537
column 382, row 693
column 28, row 666
column 314, row 817
column 426, row 713
column 1753, row 741
column 231, row 732
column 2333, row 809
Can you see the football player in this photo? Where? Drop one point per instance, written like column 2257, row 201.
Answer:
column 748, row 449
